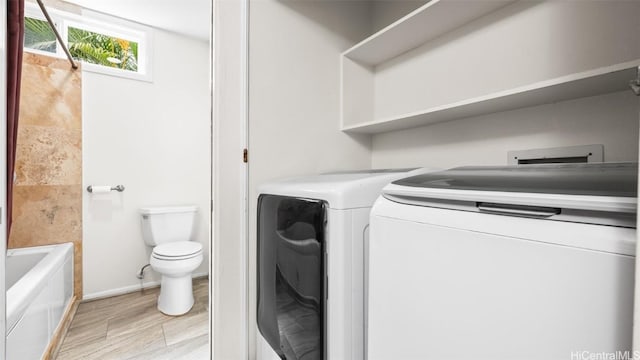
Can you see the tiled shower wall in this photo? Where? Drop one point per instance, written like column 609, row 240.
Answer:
column 47, row 197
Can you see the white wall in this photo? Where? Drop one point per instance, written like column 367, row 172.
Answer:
column 610, row 119
column 520, row 44
column 294, row 97
column 153, row 138
column 530, row 41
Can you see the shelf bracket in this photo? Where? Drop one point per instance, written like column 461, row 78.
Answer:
column 635, row 84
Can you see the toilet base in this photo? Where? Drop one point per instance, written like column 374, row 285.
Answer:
column 176, row 295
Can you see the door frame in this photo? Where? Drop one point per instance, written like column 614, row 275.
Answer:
column 230, row 182
column 636, row 305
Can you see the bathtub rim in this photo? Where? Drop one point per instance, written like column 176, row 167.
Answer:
column 18, row 298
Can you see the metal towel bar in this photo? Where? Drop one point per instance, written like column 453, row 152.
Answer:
column 119, row 188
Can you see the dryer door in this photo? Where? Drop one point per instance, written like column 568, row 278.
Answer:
column 291, row 276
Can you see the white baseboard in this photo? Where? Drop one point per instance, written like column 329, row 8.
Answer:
column 128, row 289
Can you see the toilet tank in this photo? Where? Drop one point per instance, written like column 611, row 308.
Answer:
column 162, row 225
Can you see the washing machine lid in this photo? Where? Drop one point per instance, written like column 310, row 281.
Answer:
column 341, row 190
column 177, row 249
column 610, row 187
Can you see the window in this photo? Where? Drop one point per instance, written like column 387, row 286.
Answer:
column 101, row 47
column 39, row 36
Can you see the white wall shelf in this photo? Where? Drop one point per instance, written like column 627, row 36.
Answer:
column 429, row 21
column 583, row 84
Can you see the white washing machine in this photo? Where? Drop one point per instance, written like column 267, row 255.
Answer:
column 528, row 262
column 311, row 233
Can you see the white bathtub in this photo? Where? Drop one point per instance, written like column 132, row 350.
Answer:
column 40, row 286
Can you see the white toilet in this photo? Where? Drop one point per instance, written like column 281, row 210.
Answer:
column 175, row 256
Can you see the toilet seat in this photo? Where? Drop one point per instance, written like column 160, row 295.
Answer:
column 179, row 250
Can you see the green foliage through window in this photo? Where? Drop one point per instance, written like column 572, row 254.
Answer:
column 91, row 47
column 38, row 35
column 103, row 50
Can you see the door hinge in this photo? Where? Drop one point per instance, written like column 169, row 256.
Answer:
column 245, row 156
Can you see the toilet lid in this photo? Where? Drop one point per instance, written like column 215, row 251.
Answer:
column 177, row 249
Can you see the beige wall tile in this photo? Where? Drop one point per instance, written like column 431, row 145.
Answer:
column 47, row 197
column 48, row 155
column 51, row 93
column 46, row 215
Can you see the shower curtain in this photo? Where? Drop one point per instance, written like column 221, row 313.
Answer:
column 15, row 37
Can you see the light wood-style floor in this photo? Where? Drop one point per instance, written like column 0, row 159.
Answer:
column 130, row 327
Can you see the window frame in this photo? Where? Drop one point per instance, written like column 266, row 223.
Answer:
column 106, row 25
